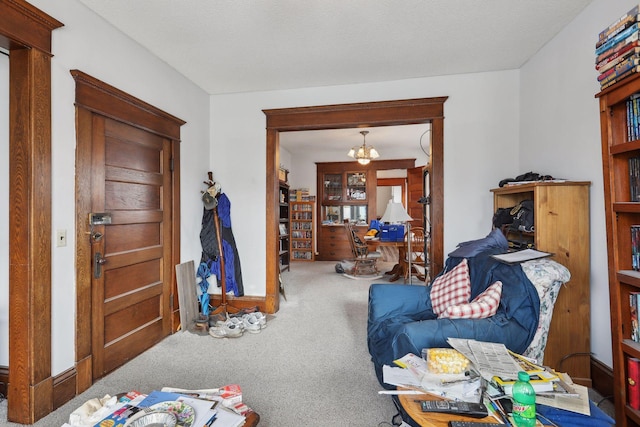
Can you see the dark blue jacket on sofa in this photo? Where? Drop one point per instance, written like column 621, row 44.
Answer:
column 401, row 319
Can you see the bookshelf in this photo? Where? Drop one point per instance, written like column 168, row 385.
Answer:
column 284, row 254
column 302, row 233
column 619, row 145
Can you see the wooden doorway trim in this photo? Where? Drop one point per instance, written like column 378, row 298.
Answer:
column 26, row 32
column 95, row 96
column 368, row 114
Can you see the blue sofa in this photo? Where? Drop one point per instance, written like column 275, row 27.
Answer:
column 401, row 319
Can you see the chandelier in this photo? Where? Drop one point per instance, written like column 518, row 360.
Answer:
column 363, row 154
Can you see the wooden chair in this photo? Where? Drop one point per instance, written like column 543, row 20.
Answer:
column 418, row 255
column 364, row 262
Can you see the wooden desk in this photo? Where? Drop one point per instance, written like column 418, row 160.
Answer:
column 430, row 419
column 399, row 269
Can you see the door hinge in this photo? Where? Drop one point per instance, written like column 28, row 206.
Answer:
column 171, row 164
column 171, row 301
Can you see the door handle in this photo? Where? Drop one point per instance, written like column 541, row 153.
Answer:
column 97, row 265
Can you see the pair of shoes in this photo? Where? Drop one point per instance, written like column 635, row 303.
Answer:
column 232, row 328
column 215, row 319
column 254, row 322
column 244, row 311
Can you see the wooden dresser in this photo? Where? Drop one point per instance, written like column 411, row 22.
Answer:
column 333, row 243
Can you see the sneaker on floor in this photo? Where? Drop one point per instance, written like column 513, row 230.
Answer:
column 251, row 323
column 236, row 321
column 226, row 330
column 262, row 319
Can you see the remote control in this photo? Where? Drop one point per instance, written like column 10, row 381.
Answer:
column 472, row 424
column 474, row 410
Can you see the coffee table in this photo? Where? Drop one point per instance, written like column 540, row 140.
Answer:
column 412, row 408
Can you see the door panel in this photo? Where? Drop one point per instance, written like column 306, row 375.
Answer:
column 131, row 292
column 415, row 191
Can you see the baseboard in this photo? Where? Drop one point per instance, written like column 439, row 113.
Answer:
column 602, row 378
column 64, row 385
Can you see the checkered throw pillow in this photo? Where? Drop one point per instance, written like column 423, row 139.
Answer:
column 452, row 288
column 483, row 306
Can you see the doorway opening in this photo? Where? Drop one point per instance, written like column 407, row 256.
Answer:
column 372, row 114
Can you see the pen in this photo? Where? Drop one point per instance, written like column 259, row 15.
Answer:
column 501, row 412
column 211, row 420
column 491, row 410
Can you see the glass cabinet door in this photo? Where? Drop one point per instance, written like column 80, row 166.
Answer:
column 356, row 186
column 335, row 215
column 332, row 187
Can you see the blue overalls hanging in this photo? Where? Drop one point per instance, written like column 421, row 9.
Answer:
column 219, row 250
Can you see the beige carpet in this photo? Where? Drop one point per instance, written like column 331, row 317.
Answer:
column 309, row 367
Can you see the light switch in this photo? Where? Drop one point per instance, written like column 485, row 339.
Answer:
column 61, row 238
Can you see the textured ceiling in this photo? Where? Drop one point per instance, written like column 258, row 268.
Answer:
column 228, row 46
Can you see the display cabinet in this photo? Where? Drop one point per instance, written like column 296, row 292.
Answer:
column 284, row 242
column 620, row 151
column 347, row 192
column 302, row 235
column 561, row 227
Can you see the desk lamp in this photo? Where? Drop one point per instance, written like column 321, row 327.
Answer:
column 395, row 213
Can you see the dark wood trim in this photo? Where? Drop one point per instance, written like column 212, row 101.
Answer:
column 175, row 189
column 90, row 95
column 26, row 32
column 374, row 165
column 64, row 387
column 23, row 25
column 367, row 114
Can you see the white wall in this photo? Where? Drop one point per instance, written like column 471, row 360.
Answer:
column 484, row 143
column 481, row 134
column 4, row 209
column 560, row 135
column 89, row 44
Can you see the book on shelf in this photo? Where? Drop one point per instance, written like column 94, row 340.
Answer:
column 617, row 47
column 633, row 382
column 612, row 66
column 633, row 111
column 635, row 247
column 609, row 60
column 619, row 25
column 625, row 68
column 633, row 314
column 634, row 177
column 620, row 37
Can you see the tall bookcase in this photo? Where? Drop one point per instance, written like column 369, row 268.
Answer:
column 561, row 227
column 618, row 147
column 302, row 234
column 284, row 229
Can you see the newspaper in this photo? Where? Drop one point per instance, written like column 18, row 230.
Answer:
column 490, row 359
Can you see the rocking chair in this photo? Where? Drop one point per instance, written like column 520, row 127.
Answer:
column 364, row 262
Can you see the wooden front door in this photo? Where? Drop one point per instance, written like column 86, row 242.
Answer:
column 127, row 226
column 131, row 256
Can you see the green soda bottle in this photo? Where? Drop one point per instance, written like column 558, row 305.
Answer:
column 524, row 402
